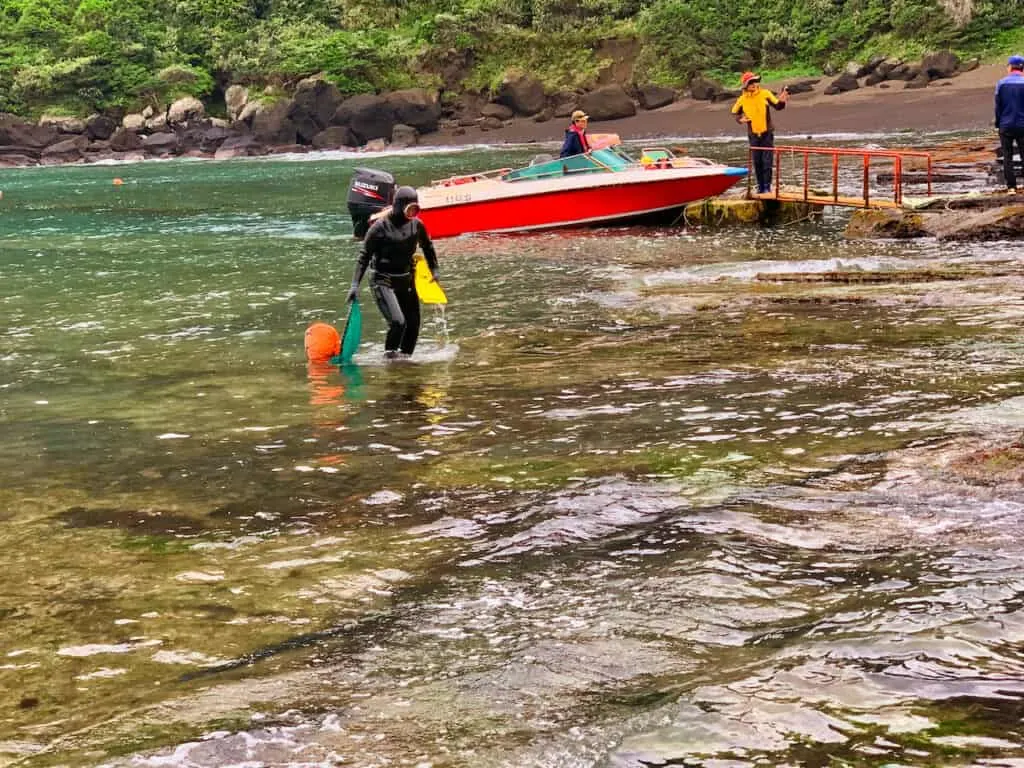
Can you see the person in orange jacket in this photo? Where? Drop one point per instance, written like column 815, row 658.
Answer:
column 753, row 107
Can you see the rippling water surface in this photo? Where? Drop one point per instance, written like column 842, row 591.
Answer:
column 642, row 499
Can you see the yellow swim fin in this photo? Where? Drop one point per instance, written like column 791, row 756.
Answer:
column 427, row 288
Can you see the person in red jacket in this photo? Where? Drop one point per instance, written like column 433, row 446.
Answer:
column 576, row 142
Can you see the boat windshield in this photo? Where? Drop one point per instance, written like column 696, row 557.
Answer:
column 598, row 161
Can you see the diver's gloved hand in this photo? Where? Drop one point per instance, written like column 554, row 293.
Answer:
column 353, row 293
column 435, row 274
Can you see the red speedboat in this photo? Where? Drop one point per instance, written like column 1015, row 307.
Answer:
column 603, row 186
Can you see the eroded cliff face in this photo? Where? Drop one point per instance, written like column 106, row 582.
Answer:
column 960, row 11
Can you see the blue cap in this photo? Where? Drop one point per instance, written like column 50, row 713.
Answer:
column 1015, row 61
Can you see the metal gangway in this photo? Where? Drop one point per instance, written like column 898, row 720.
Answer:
column 800, row 159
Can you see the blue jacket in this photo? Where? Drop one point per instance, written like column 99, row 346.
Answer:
column 1010, row 102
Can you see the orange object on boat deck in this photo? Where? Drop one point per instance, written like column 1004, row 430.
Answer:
column 322, row 342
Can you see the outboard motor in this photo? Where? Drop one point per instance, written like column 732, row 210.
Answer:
column 368, row 192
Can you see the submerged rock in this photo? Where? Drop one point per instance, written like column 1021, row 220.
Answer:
column 999, row 217
column 1003, row 223
column 884, row 223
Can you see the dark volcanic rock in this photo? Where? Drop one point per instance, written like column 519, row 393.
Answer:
column 334, row 137
column 161, row 143
column 124, row 140
column 521, row 93
column 655, row 96
column 367, row 116
column 608, row 103
column 273, row 126
column 703, row 89
column 842, row 84
column 415, row 107
column 17, row 132
column 100, row 127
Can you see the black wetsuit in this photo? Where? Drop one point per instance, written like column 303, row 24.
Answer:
column 387, row 251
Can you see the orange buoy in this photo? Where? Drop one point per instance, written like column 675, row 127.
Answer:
column 322, row 342
column 118, row 182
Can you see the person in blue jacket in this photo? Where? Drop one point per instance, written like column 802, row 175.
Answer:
column 1010, row 117
column 576, row 142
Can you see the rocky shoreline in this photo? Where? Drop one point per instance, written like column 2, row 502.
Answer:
column 318, row 117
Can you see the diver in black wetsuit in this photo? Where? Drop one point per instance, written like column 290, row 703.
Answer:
column 387, row 250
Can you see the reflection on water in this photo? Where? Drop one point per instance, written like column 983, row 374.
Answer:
column 634, row 502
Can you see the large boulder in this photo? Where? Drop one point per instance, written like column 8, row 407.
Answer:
column 802, row 86
column 313, row 106
column 367, row 116
column 983, row 218
column 305, row 126
column 654, row 96
column 940, row 65
column 125, row 140
column 271, row 125
column 19, row 133
column 416, row 107
column 66, row 151
column 161, row 143
column 921, row 81
column 563, row 103
column 1003, row 223
column 886, row 67
column 213, row 136
column 249, row 112
column 157, row 123
column 845, row 82
column 185, row 110
column 238, row 146
column 865, row 69
column 334, row 137
column 100, row 127
column 97, row 151
column 703, row 89
column 499, row 111
column 32, row 152
column 884, row 223
column 15, row 160
column 404, row 136
column 523, row 94
column 608, row 103
column 904, row 71
column 235, row 99
column 191, row 136
column 133, row 122
column 64, row 124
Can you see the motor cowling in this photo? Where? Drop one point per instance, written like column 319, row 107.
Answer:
column 369, row 191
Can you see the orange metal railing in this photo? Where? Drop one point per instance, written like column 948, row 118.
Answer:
column 866, row 155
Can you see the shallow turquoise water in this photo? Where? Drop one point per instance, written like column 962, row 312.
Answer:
column 632, row 503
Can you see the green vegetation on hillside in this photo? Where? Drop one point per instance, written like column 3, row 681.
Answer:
column 77, row 56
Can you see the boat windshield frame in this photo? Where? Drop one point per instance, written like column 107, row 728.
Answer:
column 605, row 160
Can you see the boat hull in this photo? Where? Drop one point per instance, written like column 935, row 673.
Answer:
column 495, row 206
